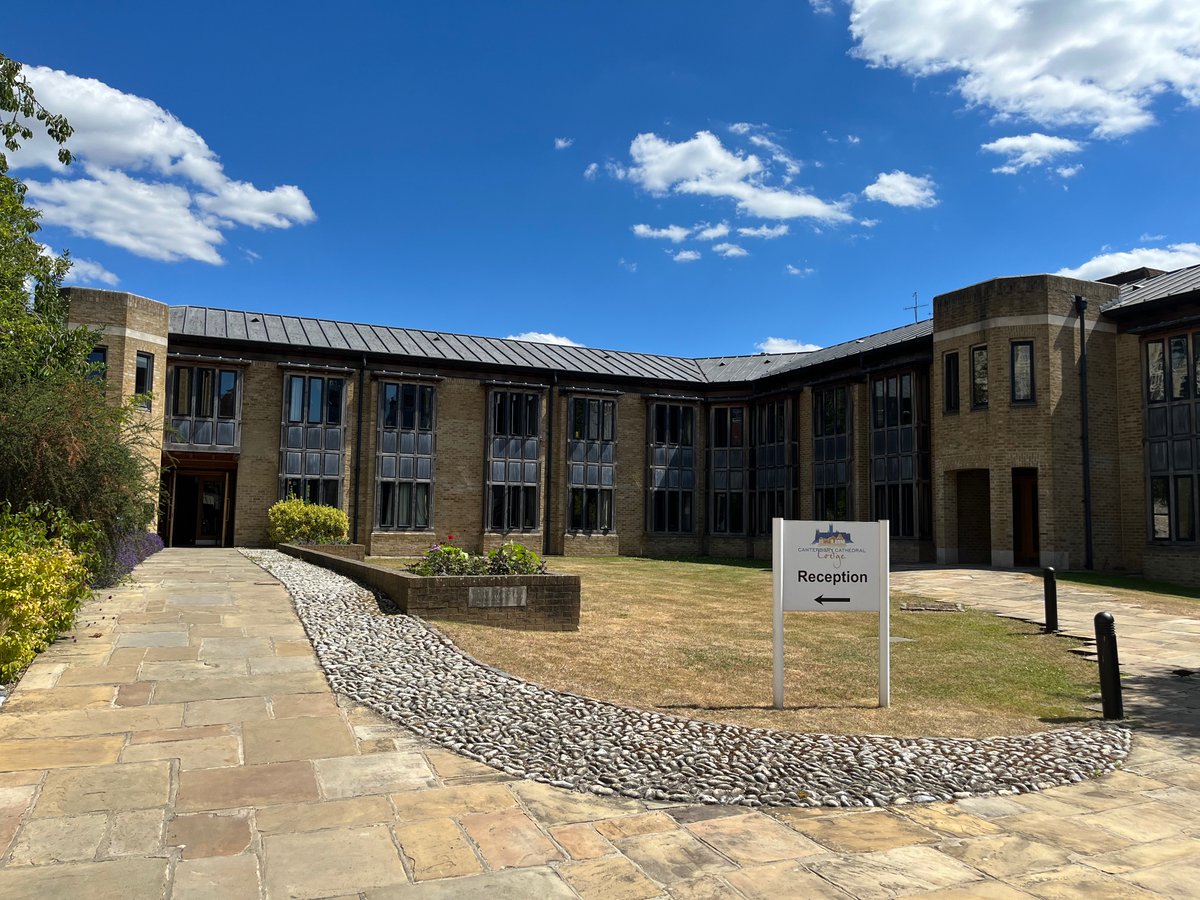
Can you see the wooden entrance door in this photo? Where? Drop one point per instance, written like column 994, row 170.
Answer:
column 1025, row 517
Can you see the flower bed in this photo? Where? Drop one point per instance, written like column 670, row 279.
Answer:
column 534, row 602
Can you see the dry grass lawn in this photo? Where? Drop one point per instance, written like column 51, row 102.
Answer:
column 693, row 638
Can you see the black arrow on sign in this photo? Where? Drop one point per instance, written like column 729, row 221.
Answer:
column 823, row 600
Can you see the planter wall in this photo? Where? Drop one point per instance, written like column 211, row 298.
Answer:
column 526, row 602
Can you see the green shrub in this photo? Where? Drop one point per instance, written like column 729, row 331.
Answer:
column 296, row 521
column 42, row 583
column 515, row 559
column 446, row 559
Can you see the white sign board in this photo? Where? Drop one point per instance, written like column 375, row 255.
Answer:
column 832, row 567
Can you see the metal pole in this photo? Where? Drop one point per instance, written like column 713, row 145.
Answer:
column 1080, row 308
column 1050, row 590
column 885, row 616
column 777, row 602
column 1110, row 666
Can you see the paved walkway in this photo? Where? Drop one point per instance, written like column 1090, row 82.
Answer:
column 182, row 742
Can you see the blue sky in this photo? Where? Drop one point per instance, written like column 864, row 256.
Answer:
column 683, row 178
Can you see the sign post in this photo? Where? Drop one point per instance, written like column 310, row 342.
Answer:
column 831, row 567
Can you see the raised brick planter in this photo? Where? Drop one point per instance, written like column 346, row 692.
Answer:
column 526, row 602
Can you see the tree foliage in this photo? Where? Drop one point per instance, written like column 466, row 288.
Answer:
column 63, row 446
column 18, row 106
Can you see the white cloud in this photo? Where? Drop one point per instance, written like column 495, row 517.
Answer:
column 801, row 273
column 590, row 172
column 790, row 165
column 708, row 232
column 853, row 139
column 901, row 189
column 88, row 271
column 784, row 345
column 868, row 223
column 142, row 179
column 1069, row 171
column 1151, row 238
column 1092, row 63
column 767, row 232
column 729, row 250
column 673, row 233
column 627, row 265
column 702, row 166
column 822, row 7
column 250, row 255
column 1025, row 150
column 544, row 337
column 1174, row 256
column 563, row 143
column 742, row 127
column 686, row 256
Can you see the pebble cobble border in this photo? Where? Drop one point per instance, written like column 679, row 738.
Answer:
column 401, row 668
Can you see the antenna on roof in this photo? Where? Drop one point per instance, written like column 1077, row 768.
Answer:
column 916, row 306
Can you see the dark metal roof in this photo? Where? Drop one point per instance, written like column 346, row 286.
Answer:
column 1156, row 287
column 324, row 334
column 434, row 346
column 748, row 368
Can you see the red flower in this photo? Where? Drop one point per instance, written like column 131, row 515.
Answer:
column 449, row 537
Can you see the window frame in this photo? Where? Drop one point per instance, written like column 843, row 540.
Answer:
column 188, row 424
column 583, row 496
column 890, row 450
column 147, row 401
column 727, row 472
column 951, row 400
column 98, row 357
column 1031, row 400
column 390, row 446
column 976, row 403
column 312, row 443
column 822, row 439
column 519, row 498
column 1171, row 425
column 672, row 495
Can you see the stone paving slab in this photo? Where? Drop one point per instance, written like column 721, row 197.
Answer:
column 265, row 784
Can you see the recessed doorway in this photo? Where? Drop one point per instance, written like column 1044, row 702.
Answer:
column 200, row 506
column 1025, row 517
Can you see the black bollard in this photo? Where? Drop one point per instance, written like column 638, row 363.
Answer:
column 1050, row 589
column 1110, row 666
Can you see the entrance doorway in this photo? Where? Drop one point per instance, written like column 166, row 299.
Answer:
column 974, row 517
column 200, row 509
column 1025, row 517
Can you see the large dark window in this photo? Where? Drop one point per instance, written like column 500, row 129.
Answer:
column 98, row 362
column 979, row 377
column 728, row 440
column 900, row 463
column 831, row 453
column 776, row 492
column 1021, row 360
column 405, row 457
column 312, row 439
column 672, row 468
column 203, row 405
column 514, row 426
column 1172, row 430
column 143, row 378
column 950, row 382
column 591, row 463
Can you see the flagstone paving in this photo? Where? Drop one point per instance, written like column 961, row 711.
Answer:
column 182, row 743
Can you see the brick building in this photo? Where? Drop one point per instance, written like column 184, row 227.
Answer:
column 965, row 431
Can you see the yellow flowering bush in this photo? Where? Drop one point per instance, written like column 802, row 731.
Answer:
column 296, row 521
column 42, row 584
